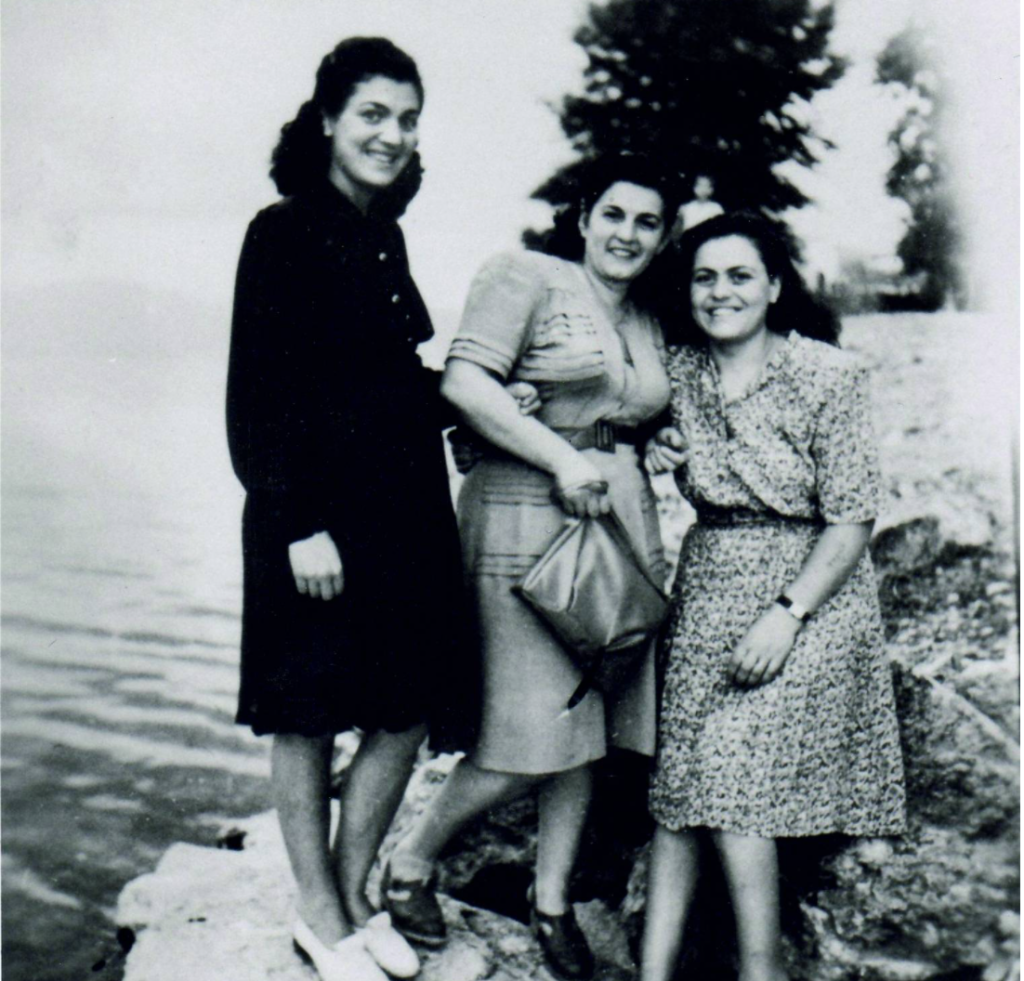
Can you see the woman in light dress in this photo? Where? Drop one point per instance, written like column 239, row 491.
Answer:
column 571, row 325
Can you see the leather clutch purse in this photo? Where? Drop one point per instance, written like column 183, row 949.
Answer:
column 596, row 595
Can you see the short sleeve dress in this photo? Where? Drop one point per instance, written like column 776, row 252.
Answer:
column 534, row 318
column 817, row 749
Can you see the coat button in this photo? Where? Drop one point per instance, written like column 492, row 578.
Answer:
column 395, row 298
column 383, row 256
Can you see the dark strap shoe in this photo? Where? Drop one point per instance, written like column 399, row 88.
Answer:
column 415, row 911
column 565, row 948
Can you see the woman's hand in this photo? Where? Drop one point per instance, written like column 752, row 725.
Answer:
column 665, row 451
column 762, row 653
column 316, row 566
column 527, row 397
column 466, row 451
column 580, row 490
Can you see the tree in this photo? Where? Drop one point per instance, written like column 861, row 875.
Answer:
column 709, row 86
column 931, row 246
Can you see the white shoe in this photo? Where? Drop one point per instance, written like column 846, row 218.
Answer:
column 347, row 960
column 389, row 948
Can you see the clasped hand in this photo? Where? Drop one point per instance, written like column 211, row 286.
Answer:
column 665, row 451
column 316, row 566
column 580, row 490
column 527, row 397
column 761, row 654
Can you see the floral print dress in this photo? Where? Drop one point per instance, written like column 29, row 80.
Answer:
column 817, row 749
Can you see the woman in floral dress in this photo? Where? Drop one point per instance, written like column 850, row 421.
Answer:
column 777, row 716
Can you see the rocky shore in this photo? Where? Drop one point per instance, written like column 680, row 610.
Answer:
column 938, row 904
column 225, row 914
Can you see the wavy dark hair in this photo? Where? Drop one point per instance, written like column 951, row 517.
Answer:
column 796, row 309
column 302, row 158
column 590, row 180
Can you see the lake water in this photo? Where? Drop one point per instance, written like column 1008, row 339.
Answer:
column 121, row 592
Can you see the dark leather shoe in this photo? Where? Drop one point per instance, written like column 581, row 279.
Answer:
column 414, row 908
column 565, row 948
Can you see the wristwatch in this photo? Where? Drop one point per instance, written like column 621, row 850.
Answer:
column 793, row 608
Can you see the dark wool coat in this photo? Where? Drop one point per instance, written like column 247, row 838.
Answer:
column 334, row 425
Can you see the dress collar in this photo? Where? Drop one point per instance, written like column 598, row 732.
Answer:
column 776, row 363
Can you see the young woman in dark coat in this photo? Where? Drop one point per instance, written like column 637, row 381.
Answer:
column 353, row 608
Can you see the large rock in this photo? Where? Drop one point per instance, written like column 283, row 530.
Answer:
column 938, row 903
column 941, row 901
column 210, row 914
column 915, row 537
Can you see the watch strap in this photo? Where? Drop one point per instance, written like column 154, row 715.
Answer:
column 793, row 608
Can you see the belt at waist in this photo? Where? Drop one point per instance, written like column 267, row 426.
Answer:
column 601, row 435
column 716, row 517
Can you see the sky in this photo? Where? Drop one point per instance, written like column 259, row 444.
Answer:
column 136, row 136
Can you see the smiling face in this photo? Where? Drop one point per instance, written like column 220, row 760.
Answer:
column 730, row 290
column 374, row 136
column 623, row 232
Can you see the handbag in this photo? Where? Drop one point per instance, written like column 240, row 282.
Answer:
column 596, row 595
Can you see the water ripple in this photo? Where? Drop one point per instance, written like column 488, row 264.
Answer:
column 133, row 636
column 23, row 880
column 127, row 749
column 85, row 570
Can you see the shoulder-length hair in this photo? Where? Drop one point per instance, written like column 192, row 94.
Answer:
column 302, row 158
column 796, row 309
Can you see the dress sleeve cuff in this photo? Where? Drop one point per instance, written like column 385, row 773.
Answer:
column 288, row 515
column 481, row 351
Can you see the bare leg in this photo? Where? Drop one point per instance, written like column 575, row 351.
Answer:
column 752, row 872
column 468, row 791
column 300, row 782
column 671, row 881
column 564, row 799
column 374, row 786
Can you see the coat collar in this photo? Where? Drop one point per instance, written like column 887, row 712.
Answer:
column 332, row 207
